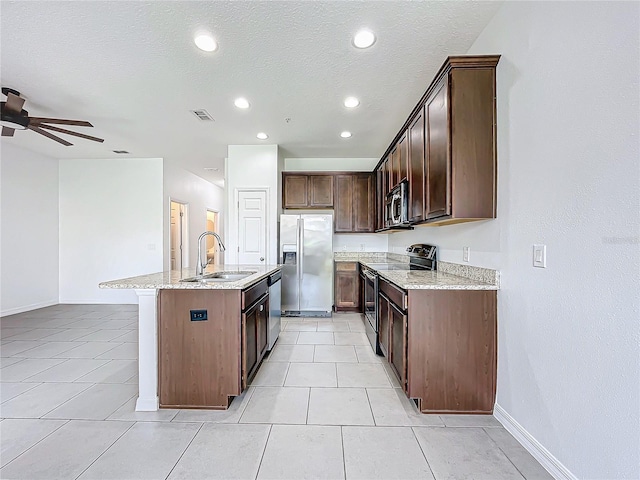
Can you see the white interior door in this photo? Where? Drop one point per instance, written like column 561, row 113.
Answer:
column 252, row 227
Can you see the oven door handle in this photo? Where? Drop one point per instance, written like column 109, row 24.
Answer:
column 371, row 277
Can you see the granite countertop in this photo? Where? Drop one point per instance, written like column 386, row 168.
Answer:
column 449, row 276
column 171, row 279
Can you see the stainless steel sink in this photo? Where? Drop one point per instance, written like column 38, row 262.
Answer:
column 218, row 277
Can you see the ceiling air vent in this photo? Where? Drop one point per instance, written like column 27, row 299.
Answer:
column 202, row 115
column 121, row 152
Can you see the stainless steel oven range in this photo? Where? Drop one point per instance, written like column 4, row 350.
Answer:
column 421, row 257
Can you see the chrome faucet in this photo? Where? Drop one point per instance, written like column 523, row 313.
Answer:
column 200, row 266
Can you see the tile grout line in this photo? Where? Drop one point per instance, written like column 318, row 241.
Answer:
column 344, row 459
column 366, row 392
column 37, row 384
column 55, row 430
column 423, row 452
column 183, row 452
column 105, row 450
column 264, row 451
column 503, row 452
column 59, row 405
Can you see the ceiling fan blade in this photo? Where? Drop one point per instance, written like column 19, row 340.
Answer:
column 14, row 103
column 69, row 132
column 59, row 121
column 49, row 135
column 7, row 132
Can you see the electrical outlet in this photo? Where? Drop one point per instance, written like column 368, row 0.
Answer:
column 465, row 254
column 540, row 256
column 362, row 247
column 344, row 248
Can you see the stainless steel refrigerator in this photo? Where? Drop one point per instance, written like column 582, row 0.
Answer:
column 306, row 252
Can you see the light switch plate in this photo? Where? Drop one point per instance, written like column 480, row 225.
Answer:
column 540, row 256
column 465, row 254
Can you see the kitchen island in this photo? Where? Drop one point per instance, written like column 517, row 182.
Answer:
column 210, row 333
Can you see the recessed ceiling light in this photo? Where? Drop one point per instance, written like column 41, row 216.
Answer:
column 206, row 42
column 364, row 39
column 262, row 136
column 345, row 134
column 241, row 102
column 351, row 102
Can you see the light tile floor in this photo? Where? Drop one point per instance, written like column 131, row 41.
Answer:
column 322, row 405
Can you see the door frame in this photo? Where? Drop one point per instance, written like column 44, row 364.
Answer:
column 216, row 229
column 185, row 231
column 236, row 203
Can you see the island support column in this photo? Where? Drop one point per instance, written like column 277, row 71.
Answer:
column 147, row 351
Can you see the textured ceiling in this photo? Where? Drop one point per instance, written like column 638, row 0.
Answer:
column 132, row 69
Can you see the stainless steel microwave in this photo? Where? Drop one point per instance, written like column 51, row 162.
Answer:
column 397, row 205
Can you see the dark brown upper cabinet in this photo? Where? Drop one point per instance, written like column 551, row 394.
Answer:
column 307, row 190
column 354, row 203
column 402, row 155
column 453, row 128
column 416, row 168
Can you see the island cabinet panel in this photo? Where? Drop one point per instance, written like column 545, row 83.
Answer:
column 254, row 337
column 347, row 287
column 295, row 191
column 198, row 360
column 451, row 350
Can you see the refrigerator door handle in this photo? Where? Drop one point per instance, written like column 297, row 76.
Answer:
column 298, row 260
column 301, row 255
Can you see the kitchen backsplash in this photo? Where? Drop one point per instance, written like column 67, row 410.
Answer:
column 485, row 275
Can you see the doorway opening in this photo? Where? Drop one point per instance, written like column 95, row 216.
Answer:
column 179, row 235
column 213, row 253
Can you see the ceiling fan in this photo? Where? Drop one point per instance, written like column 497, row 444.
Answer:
column 15, row 118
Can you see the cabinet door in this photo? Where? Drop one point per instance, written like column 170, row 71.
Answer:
column 416, row 168
column 363, row 203
column 383, row 324
column 295, row 191
column 438, row 153
column 394, row 177
column 398, row 344
column 403, row 158
column 379, row 198
column 347, row 291
column 343, row 209
column 250, row 344
column 321, row 187
column 262, row 328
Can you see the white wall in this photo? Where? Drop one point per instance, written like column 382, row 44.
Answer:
column 29, row 230
column 252, row 166
column 568, row 177
column 185, row 187
column 111, row 215
column 330, row 164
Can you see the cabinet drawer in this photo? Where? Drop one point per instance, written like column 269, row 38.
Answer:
column 347, row 266
column 250, row 295
column 395, row 294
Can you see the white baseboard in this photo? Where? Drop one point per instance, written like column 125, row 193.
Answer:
column 26, row 308
column 535, row 448
column 147, row 404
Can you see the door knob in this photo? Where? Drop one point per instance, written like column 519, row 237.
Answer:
column 262, row 259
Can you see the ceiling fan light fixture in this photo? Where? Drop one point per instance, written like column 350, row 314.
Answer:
column 17, row 123
column 206, row 42
column 241, row 102
column 351, row 102
column 364, row 39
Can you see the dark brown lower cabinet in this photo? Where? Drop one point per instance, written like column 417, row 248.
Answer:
column 347, row 287
column 398, row 343
column 210, row 344
column 255, row 327
column 383, row 324
column 441, row 344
